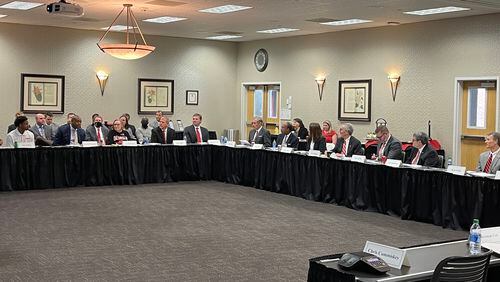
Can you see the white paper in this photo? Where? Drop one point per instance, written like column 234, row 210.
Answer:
column 479, row 173
column 245, row 142
column 180, row 142
column 455, row 169
column 286, row 114
column 358, row 158
column 393, row 163
column 394, row 257
column 231, row 144
column 497, row 175
column 330, row 147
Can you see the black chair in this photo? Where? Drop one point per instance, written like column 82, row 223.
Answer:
column 464, row 269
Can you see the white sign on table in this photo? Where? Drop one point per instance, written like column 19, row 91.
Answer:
column 497, row 175
column 231, row 144
column 393, row 163
column 214, row 142
column 87, row 144
column 129, row 143
column 26, row 145
column 455, row 169
column 314, row 153
column 257, row 147
column 180, row 142
column 393, row 256
column 286, row 150
column 358, row 158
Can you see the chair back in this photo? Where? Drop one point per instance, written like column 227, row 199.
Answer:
column 469, row 268
column 441, row 161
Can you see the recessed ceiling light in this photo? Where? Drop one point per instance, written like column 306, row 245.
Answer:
column 165, row 19
column 225, row 9
column 437, row 11
column 118, row 28
column 3, row 16
column 278, row 30
column 347, row 22
column 223, row 37
column 19, row 5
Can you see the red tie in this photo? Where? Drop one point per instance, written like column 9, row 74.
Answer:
column 415, row 160
column 99, row 136
column 488, row 164
column 343, row 149
column 198, row 135
column 381, row 151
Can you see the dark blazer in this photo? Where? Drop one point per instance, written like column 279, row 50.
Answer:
column 264, row 137
column 190, row 133
column 302, row 133
column 319, row 145
column 429, row 156
column 354, row 147
column 392, row 150
column 63, row 135
column 157, row 136
column 292, row 141
column 91, row 133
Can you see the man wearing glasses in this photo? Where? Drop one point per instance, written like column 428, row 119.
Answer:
column 422, row 152
column 388, row 147
column 118, row 135
column 489, row 160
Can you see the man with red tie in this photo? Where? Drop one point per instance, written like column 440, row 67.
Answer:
column 96, row 131
column 163, row 134
column 347, row 145
column 489, row 161
column 422, row 152
column 196, row 133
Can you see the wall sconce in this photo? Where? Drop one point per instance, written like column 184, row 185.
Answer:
column 102, row 77
column 321, row 84
column 394, row 80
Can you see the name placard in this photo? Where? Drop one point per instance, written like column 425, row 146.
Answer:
column 286, row 150
column 214, row 142
column 455, row 169
column 358, row 158
column 258, row 146
column 497, row 175
column 130, row 143
column 231, row 144
column 393, row 163
column 87, row 144
column 489, row 235
column 314, row 153
column 393, row 256
column 180, row 143
column 26, row 145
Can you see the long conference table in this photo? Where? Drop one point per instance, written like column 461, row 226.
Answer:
column 430, row 196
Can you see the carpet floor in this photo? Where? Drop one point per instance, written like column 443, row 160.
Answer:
column 191, row 231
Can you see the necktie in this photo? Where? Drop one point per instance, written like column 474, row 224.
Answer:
column 488, row 164
column 381, row 151
column 99, row 135
column 75, row 136
column 255, row 135
column 164, row 136
column 415, row 160
column 344, row 149
column 42, row 132
column 198, row 135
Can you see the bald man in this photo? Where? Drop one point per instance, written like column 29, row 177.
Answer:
column 43, row 133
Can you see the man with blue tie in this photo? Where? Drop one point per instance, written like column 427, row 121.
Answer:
column 43, row 132
column 489, row 161
column 71, row 133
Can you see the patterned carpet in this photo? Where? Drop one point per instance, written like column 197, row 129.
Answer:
column 192, row 231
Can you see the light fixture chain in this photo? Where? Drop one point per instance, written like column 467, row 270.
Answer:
column 109, row 27
column 136, row 24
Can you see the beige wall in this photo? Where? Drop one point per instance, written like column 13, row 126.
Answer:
column 428, row 56
column 207, row 66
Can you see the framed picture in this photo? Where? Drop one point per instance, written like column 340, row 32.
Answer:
column 155, row 95
column 355, row 100
column 191, row 97
column 42, row 93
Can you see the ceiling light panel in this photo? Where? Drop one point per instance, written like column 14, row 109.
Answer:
column 224, row 37
column 165, row 19
column 118, row 28
column 2, row 16
column 225, row 9
column 278, row 30
column 347, row 22
column 441, row 10
column 20, row 5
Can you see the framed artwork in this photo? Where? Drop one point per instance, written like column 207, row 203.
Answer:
column 155, row 95
column 42, row 93
column 191, row 97
column 355, row 100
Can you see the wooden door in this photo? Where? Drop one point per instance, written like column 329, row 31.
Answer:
column 263, row 101
column 478, row 119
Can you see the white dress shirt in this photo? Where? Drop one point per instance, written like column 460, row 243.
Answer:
column 16, row 137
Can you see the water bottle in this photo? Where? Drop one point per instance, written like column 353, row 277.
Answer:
column 225, row 140
column 185, row 138
column 475, row 238
column 274, row 144
column 450, row 162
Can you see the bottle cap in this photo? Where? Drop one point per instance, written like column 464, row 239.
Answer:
column 475, row 221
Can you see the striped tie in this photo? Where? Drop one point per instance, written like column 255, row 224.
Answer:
column 488, row 164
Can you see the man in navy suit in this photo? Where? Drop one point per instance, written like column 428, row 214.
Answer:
column 71, row 133
column 287, row 138
column 422, row 152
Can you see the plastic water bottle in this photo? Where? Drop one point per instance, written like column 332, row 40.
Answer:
column 185, row 138
column 450, row 162
column 225, row 140
column 274, row 144
column 475, row 238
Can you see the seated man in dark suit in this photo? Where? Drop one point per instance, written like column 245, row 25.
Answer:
column 287, row 138
column 163, row 134
column 43, row 133
column 96, row 131
column 489, row 161
column 196, row 133
column 422, row 152
column 347, row 145
column 70, row 133
column 259, row 135
column 387, row 146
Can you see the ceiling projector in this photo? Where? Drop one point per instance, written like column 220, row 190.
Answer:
column 64, row 8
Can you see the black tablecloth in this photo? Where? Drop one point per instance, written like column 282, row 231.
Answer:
column 426, row 196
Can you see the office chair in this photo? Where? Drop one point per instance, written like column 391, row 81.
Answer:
column 464, row 269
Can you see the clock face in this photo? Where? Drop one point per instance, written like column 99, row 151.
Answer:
column 261, row 59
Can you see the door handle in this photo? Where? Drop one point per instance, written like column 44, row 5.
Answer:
column 472, row 137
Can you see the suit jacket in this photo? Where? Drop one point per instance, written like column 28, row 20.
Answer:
column 47, row 136
column 483, row 158
column 157, row 136
column 354, row 147
column 63, row 135
column 264, row 137
column 302, row 133
column 190, row 134
column 292, row 141
column 91, row 133
column 428, row 157
column 319, row 145
column 392, row 150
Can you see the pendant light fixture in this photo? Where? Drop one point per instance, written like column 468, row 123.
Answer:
column 127, row 51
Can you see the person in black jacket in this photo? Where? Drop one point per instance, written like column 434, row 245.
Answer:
column 195, row 133
column 117, row 135
column 300, row 129
column 163, row 134
column 423, row 153
column 287, row 138
column 315, row 140
column 347, row 145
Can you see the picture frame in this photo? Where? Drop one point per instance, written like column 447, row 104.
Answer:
column 155, row 95
column 42, row 93
column 192, row 97
column 355, row 100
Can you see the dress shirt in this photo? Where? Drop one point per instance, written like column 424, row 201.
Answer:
column 419, row 154
column 285, row 138
column 346, row 142
column 16, row 136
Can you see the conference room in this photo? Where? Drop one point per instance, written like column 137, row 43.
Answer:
column 248, row 140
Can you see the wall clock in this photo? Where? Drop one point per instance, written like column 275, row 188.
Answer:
column 261, row 59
